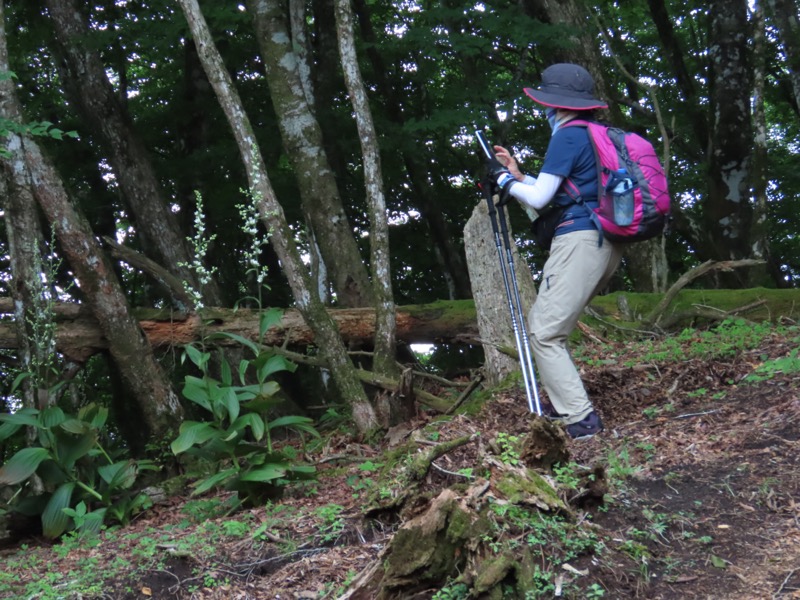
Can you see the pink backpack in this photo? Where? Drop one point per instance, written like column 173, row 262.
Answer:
column 633, row 196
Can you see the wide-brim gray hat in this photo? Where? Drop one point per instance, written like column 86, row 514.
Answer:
column 566, row 86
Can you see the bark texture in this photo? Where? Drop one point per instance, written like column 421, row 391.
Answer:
column 728, row 210
column 90, row 91
column 97, row 281
column 786, row 19
column 79, row 335
column 302, row 139
column 327, row 336
column 385, row 323
column 428, row 187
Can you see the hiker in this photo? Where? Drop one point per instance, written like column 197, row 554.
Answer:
column 580, row 262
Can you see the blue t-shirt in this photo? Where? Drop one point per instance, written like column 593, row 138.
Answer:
column 570, row 155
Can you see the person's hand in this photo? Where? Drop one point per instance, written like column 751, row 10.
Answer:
column 505, row 158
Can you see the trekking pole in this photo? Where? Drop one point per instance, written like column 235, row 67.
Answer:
column 514, row 300
column 527, row 356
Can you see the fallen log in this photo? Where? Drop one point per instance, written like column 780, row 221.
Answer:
column 78, row 336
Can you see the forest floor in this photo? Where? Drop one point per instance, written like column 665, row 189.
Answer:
column 701, row 474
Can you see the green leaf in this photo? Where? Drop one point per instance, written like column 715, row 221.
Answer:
column 238, row 338
column 196, row 390
column 192, row 433
column 257, row 426
column 19, row 379
column 22, row 465
column 52, row 416
column 76, row 426
column 24, row 416
column 198, row 358
column 119, row 476
column 210, row 482
column 72, row 449
column 308, row 469
column 719, row 563
column 231, row 402
column 267, row 319
column 243, row 364
column 7, row 430
column 273, row 365
column 267, row 473
column 252, row 420
column 289, row 421
column 226, row 376
column 93, row 522
column 54, row 521
column 95, row 415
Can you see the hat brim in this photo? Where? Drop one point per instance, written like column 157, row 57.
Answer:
column 559, row 101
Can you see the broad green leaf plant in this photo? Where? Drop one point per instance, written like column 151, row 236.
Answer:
column 236, row 441
column 79, row 476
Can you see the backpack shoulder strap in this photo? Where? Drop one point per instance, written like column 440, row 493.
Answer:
column 572, row 190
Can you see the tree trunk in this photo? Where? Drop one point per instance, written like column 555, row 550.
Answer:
column 327, row 336
column 302, row 140
column 760, row 225
column 787, row 22
column 675, row 57
column 33, row 322
column 91, row 93
column 96, row 279
column 426, row 185
column 79, row 336
column 491, row 301
column 728, row 211
column 385, row 323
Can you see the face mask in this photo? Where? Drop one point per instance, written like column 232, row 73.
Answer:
column 551, row 118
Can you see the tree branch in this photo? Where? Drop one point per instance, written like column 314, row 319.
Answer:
column 654, row 318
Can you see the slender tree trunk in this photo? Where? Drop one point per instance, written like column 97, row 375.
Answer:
column 34, row 324
column 327, row 336
column 674, row 54
column 787, row 21
column 92, row 94
column 760, row 227
column 425, row 185
column 385, row 359
column 96, row 279
column 302, row 140
column 35, row 328
column 728, row 211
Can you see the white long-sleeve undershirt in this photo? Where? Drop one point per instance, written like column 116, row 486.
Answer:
column 536, row 192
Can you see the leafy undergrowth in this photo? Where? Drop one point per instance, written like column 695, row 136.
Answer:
column 699, row 498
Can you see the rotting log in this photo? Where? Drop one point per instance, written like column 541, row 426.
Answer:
column 78, row 335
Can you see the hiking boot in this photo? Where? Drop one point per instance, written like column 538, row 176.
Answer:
column 586, row 428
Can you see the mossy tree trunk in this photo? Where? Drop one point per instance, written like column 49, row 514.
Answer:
column 96, row 279
column 91, row 93
column 327, row 336
column 384, row 355
column 302, row 139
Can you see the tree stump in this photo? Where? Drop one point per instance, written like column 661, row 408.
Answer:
column 489, row 292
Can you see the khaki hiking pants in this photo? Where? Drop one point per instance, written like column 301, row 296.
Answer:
column 575, row 271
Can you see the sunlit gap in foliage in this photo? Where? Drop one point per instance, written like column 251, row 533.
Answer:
column 401, row 218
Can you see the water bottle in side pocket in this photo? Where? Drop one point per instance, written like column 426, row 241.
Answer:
column 622, row 196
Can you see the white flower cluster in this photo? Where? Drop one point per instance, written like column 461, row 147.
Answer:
column 249, row 214
column 199, row 243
